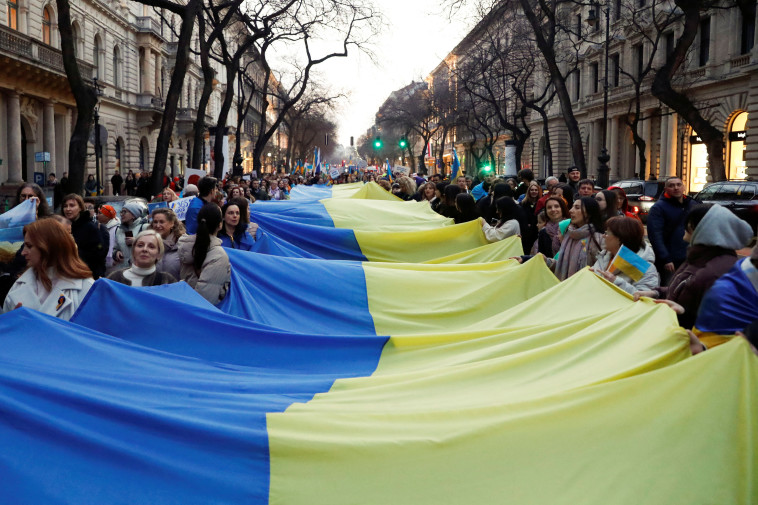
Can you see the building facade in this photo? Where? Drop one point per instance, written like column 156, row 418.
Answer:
column 720, row 77
column 130, row 49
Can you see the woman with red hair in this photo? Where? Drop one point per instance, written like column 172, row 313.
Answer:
column 56, row 279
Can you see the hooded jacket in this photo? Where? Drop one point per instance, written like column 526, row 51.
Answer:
column 711, row 254
column 135, row 228
column 213, row 279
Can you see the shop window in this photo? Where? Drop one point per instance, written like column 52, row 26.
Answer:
column 736, row 149
column 698, row 164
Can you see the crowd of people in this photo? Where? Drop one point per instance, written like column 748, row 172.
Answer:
column 571, row 225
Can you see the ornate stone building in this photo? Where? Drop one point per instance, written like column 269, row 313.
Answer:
column 129, row 48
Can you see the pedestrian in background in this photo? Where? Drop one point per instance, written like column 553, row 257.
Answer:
column 86, row 232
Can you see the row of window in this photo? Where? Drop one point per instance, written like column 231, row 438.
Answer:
column 638, row 55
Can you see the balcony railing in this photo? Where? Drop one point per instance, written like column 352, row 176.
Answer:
column 23, row 47
column 739, row 61
column 149, row 25
column 149, row 102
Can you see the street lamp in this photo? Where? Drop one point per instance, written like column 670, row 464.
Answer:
column 604, row 158
column 98, row 94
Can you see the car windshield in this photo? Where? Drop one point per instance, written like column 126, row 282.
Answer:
column 651, row 189
column 632, row 189
column 728, row 192
column 707, row 193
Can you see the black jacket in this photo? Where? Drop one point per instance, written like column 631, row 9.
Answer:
column 89, row 240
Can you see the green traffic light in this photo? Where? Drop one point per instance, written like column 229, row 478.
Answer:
column 487, row 168
column 378, row 143
column 403, row 143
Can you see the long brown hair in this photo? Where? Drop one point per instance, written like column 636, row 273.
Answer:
column 57, row 250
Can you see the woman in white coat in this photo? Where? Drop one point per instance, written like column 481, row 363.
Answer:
column 56, row 279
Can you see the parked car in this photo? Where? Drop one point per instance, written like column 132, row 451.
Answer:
column 741, row 197
column 642, row 195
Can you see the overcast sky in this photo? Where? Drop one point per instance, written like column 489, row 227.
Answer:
column 415, row 39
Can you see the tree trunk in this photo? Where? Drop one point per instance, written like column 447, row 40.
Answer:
column 441, row 157
column 559, row 82
column 85, row 97
column 189, row 14
column 679, row 102
column 208, row 76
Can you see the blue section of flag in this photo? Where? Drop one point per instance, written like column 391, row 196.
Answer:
column 20, row 215
column 172, row 413
column 317, row 313
column 730, row 305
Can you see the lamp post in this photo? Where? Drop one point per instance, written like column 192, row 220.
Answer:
column 604, row 158
column 98, row 93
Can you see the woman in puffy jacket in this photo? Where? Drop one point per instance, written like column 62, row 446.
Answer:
column 205, row 265
column 628, row 232
column 170, row 229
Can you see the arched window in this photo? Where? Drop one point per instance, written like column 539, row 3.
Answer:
column 46, row 27
column 12, row 12
column 77, row 38
column 116, row 67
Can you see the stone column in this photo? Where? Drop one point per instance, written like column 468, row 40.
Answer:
column 14, row 138
column 48, row 141
column 672, row 146
column 157, row 86
column 665, row 144
column 613, row 149
column 645, row 133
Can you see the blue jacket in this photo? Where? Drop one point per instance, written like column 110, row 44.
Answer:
column 244, row 243
column 190, row 220
column 665, row 228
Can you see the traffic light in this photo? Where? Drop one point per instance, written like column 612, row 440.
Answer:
column 377, row 143
column 403, row 143
column 487, row 168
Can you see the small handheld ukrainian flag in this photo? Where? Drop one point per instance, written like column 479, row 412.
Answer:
column 456, row 166
column 389, row 171
column 630, row 263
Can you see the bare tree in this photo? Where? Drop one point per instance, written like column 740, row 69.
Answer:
column 310, row 23
column 411, row 110
column 187, row 12
column 85, row 97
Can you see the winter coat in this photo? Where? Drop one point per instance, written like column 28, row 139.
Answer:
column 495, row 234
column 242, row 241
column 64, row 298
column 170, row 262
column 135, row 227
column 89, row 241
column 711, row 255
column 157, row 278
column 190, row 219
column 214, row 277
column 579, row 249
column 665, row 228
column 649, row 281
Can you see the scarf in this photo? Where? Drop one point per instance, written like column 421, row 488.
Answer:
column 578, row 249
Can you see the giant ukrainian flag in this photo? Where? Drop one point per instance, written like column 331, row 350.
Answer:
column 143, row 398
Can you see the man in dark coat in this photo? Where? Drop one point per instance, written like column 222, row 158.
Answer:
column 665, row 228
column 117, row 181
